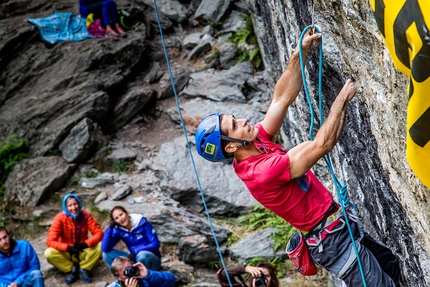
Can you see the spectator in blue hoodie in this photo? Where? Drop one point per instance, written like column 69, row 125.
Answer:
column 145, row 278
column 137, row 233
column 19, row 265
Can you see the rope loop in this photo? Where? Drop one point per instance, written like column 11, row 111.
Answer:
column 341, row 188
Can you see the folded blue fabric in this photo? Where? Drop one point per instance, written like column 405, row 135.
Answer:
column 61, row 27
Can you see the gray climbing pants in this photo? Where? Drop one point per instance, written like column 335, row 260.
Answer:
column 336, row 254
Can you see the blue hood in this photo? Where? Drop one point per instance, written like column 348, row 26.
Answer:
column 67, row 196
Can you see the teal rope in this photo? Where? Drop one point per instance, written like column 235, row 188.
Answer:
column 341, row 188
column 188, row 143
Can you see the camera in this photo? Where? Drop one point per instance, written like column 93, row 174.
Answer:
column 131, row 271
column 261, row 281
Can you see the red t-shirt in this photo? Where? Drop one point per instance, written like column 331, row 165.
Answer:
column 302, row 202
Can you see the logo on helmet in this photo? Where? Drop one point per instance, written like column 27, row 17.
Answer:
column 210, row 148
column 209, row 120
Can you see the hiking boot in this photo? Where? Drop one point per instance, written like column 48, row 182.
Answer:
column 71, row 277
column 85, row 276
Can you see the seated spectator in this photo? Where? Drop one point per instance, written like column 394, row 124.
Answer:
column 145, row 278
column 264, row 272
column 137, row 233
column 69, row 247
column 19, row 265
column 106, row 9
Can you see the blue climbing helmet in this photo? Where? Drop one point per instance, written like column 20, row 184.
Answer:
column 208, row 139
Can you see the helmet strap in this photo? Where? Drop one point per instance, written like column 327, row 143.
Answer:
column 244, row 143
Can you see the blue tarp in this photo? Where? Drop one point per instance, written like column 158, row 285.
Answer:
column 61, row 27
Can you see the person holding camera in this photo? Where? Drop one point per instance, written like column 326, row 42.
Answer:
column 261, row 275
column 137, row 275
column 70, row 249
column 137, row 233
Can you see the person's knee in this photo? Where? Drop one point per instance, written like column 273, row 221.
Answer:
column 145, row 255
column 49, row 253
column 36, row 274
column 97, row 251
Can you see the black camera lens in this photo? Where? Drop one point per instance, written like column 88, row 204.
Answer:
column 261, row 281
column 131, row 271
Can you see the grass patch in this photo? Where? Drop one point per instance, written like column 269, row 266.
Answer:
column 121, row 165
column 75, row 180
column 260, row 218
column 100, row 216
column 246, row 36
column 12, row 151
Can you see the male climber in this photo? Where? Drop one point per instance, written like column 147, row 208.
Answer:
column 282, row 182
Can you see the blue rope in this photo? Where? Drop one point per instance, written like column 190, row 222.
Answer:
column 341, row 188
column 188, row 143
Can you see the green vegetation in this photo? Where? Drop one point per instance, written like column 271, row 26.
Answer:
column 215, row 264
column 74, row 180
column 216, row 25
column 100, row 216
column 12, row 151
column 247, row 35
column 260, row 218
column 54, row 152
column 89, row 174
column 214, row 55
column 252, row 57
column 121, row 165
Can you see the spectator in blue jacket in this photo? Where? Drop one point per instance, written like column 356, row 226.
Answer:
column 137, row 233
column 146, row 277
column 19, row 265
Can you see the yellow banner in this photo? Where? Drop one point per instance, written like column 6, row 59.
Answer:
column 404, row 24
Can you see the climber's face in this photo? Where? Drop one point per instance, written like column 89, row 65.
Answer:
column 238, row 129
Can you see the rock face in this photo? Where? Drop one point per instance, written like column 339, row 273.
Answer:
column 370, row 155
column 34, row 180
column 47, row 91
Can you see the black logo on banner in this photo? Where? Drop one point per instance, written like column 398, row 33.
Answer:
column 420, row 130
column 410, row 14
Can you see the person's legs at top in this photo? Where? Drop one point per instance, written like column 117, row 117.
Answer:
column 109, row 257
column 95, row 8
column 338, row 256
column 34, row 279
column 113, row 13
column 149, row 259
column 110, row 16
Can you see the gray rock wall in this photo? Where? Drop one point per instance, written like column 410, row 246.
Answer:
column 370, row 156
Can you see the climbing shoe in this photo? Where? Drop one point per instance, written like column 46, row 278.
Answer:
column 85, row 276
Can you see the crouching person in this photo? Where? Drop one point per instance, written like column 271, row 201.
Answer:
column 19, row 265
column 70, row 249
column 129, row 275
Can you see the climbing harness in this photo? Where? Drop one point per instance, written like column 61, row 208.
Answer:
column 188, row 143
column 341, row 188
